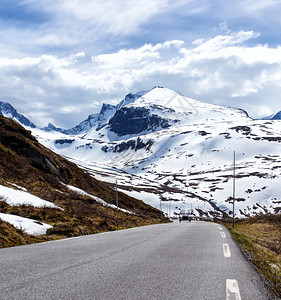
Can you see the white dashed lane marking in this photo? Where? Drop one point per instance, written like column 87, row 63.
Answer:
column 226, row 251
column 232, row 290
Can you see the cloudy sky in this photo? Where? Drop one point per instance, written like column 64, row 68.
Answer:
column 60, row 59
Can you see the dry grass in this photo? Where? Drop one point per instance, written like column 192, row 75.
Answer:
column 260, row 239
column 9, row 236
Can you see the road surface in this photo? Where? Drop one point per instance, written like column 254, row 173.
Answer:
column 188, row 260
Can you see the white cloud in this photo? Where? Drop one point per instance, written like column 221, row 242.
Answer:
column 226, row 51
column 218, row 69
column 117, row 17
column 129, row 58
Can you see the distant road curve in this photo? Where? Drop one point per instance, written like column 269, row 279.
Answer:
column 188, row 260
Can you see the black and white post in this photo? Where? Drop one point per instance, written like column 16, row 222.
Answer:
column 117, row 206
column 233, row 196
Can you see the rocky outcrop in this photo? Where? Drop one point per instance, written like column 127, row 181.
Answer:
column 129, row 145
column 135, row 120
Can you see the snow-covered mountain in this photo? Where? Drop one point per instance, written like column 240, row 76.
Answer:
column 175, row 152
column 96, row 121
column 93, row 120
column 8, row 111
column 276, row 116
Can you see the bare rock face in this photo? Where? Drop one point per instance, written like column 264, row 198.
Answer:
column 134, row 120
column 129, row 145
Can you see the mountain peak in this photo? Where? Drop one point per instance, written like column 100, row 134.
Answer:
column 158, row 87
column 7, row 110
column 52, row 127
column 130, row 98
column 277, row 116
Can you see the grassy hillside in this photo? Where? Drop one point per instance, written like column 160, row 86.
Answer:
column 28, row 164
column 260, row 239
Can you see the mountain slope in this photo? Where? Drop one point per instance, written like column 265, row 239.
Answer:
column 73, row 202
column 164, row 146
column 276, row 116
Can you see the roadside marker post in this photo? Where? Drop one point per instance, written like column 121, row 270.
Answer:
column 117, row 205
column 233, row 196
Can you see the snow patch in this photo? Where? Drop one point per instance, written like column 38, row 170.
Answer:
column 99, row 200
column 29, row 226
column 19, row 197
column 18, row 186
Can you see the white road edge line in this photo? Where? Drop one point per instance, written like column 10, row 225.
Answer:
column 223, row 235
column 226, row 251
column 232, row 290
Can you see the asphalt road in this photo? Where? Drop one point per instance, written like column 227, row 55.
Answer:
column 195, row 260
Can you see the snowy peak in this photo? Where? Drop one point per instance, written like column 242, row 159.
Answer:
column 52, row 127
column 107, row 111
column 167, row 98
column 106, row 107
column 98, row 121
column 84, row 126
column 8, row 111
column 156, row 110
column 141, row 113
column 156, row 96
column 276, row 116
column 148, row 111
column 130, row 98
column 161, row 108
column 93, row 121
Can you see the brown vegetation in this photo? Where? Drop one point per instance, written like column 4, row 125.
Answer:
column 260, row 239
